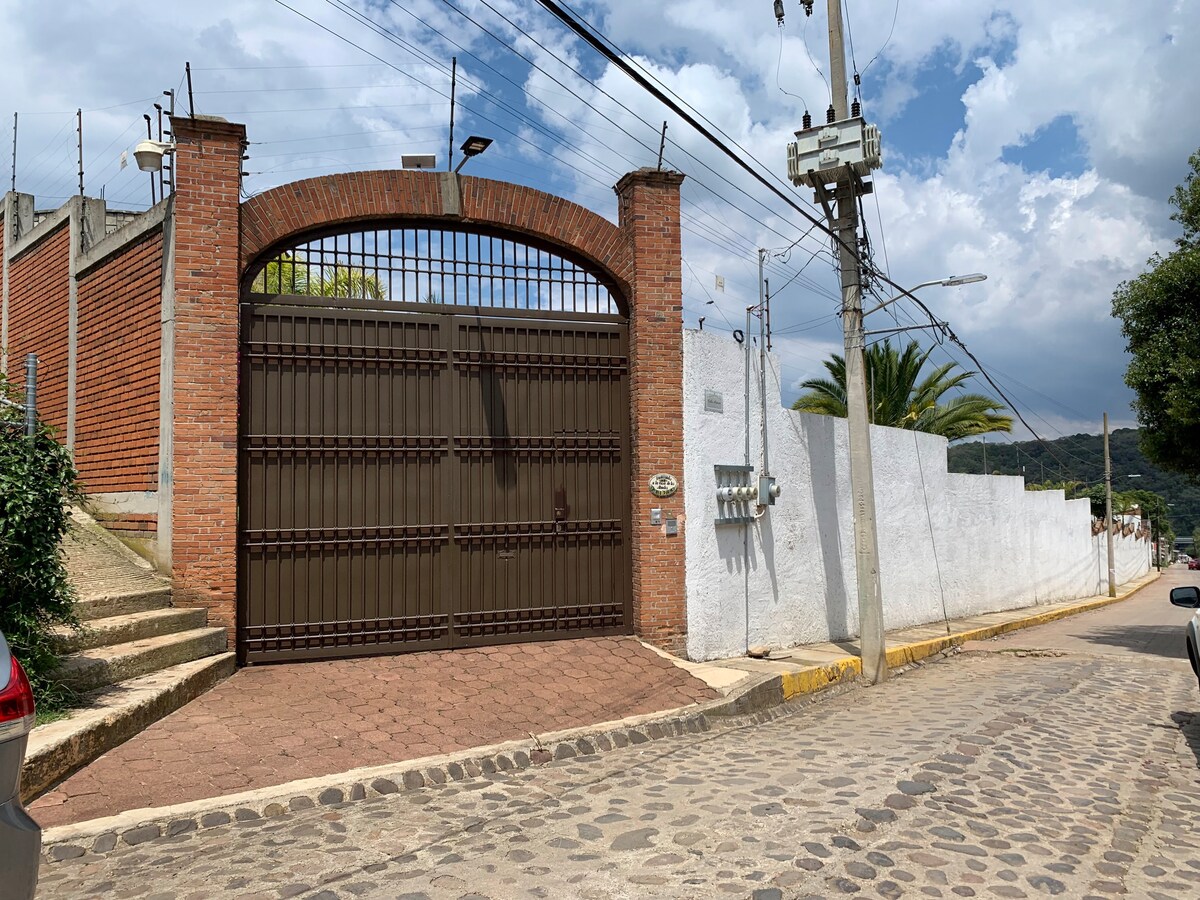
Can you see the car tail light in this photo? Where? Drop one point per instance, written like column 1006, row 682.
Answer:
column 16, row 704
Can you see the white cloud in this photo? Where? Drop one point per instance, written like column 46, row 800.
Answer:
column 1054, row 246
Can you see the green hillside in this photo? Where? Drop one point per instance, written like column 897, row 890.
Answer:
column 1080, row 457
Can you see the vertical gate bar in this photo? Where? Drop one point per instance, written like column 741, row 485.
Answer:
column 452, row 574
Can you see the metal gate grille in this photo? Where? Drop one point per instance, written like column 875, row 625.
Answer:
column 419, row 480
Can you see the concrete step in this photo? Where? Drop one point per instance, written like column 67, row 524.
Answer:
column 130, row 627
column 104, row 605
column 112, row 716
column 101, row 666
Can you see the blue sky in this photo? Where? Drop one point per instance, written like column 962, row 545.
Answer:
column 1034, row 142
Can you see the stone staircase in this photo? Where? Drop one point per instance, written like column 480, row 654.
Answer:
column 137, row 658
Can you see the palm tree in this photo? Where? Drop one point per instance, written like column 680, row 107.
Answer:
column 284, row 275
column 900, row 398
column 287, row 275
column 347, row 282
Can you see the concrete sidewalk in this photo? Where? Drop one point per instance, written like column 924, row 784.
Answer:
column 809, row 668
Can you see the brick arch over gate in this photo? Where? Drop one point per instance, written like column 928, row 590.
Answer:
column 279, row 217
column 214, row 242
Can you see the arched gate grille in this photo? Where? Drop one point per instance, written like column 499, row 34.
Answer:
column 434, row 447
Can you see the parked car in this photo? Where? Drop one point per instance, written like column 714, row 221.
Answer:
column 20, row 836
column 1188, row 597
column 1194, row 564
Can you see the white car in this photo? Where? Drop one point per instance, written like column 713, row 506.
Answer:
column 1188, row 597
column 20, row 836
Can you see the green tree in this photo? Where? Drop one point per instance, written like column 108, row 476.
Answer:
column 37, row 479
column 1159, row 311
column 287, row 275
column 899, row 397
column 282, row 276
column 1122, row 501
column 1070, row 489
column 1156, row 510
column 346, row 282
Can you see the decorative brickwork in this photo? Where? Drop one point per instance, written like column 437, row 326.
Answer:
column 276, row 218
column 649, row 211
column 39, row 284
column 117, row 388
column 204, row 514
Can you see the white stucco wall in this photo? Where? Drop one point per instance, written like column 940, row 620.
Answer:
column 950, row 544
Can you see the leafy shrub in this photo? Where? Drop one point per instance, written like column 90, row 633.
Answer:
column 37, row 480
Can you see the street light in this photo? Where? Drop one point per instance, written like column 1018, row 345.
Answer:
column 952, row 281
column 472, row 146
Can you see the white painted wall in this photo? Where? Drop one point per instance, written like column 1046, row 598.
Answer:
column 950, row 544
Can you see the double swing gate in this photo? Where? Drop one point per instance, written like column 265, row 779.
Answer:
column 419, row 474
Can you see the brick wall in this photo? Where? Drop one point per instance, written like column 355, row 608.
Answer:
column 117, row 384
column 39, row 283
column 275, row 218
column 5, row 224
column 206, row 271
column 649, row 213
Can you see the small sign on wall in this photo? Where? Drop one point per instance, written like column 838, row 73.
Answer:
column 714, row 402
column 663, row 485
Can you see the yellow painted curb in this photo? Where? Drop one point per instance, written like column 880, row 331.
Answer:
column 814, row 678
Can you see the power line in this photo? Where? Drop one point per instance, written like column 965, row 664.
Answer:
column 891, row 31
column 613, row 57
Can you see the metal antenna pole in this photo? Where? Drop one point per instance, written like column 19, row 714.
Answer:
column 453, row 85
column 14, row 164
column 662, row 146
column 150, row 137
column 31, row 394
column 873, row 650
column 1108, row 517
column 162, row 191
column 79, row 133
column 187, row 70
column 168, row 167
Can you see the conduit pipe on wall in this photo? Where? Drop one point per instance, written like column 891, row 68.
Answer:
column 746, row 462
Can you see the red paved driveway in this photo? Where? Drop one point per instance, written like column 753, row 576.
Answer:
column 272, row 724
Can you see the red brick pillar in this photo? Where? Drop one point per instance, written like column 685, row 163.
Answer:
column 649, row 216
column 204, row 381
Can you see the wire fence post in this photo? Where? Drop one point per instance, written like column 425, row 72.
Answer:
column 31, row 395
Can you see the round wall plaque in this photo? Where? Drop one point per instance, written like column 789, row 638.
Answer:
column 663, row 485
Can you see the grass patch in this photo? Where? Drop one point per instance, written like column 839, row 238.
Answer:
column 45, row 717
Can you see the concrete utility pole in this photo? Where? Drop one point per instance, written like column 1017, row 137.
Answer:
column 862, row 480
column 1108, row 518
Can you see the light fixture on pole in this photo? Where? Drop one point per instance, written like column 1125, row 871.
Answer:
column 472, row 146
column 952, row 281
column 418, row 160
column 149, row 154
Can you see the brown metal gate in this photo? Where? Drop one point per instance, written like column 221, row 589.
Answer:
column 417, row 480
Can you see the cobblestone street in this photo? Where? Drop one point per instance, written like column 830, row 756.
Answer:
column 984, row 775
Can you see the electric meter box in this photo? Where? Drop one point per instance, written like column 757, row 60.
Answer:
column 825, row 149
